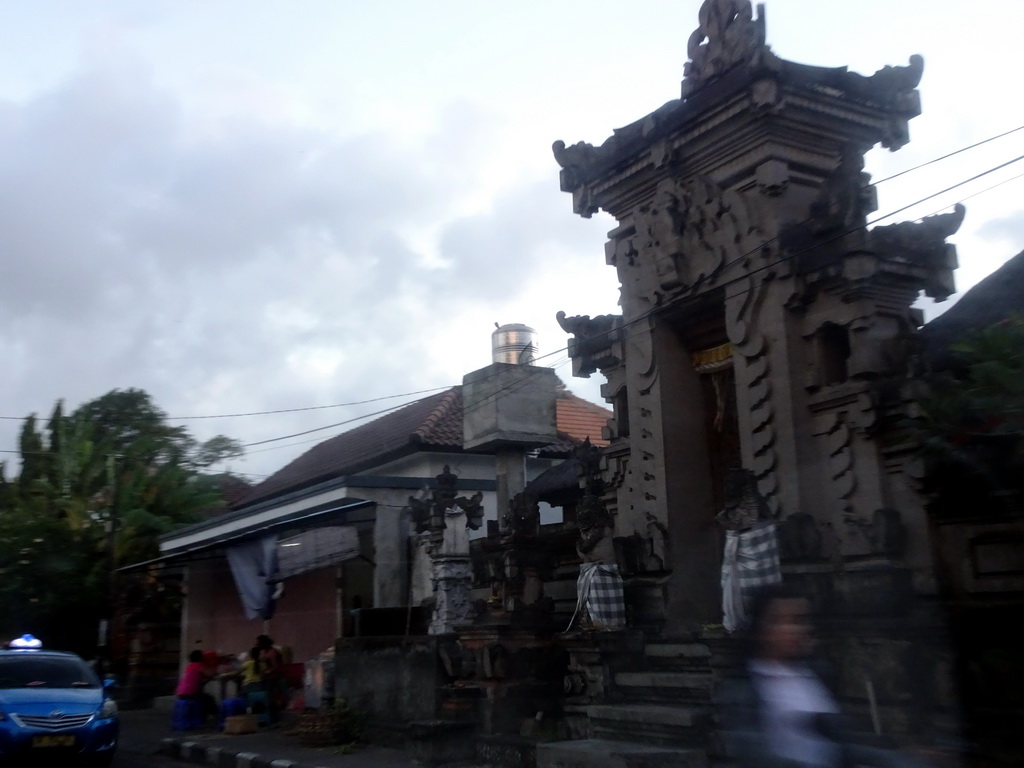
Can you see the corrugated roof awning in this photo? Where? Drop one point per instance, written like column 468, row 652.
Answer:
column 333, row 514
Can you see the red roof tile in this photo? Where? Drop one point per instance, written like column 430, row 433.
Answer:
column 581, row 419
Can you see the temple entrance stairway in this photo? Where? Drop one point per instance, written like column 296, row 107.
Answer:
column 640, row 703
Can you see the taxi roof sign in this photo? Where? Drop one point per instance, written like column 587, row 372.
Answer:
column 26, row 642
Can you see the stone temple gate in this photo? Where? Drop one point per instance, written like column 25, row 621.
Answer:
column 766, row 322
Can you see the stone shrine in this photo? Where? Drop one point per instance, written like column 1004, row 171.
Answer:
column 763, row 324
column 767, row 323
column 444, row 523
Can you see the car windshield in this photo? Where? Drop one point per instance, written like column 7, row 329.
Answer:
column 30, row 671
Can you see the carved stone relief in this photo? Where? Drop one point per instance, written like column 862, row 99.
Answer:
column 754, row 374
column 689, row 232
column 842, row 479
column 453, row 577
column 596, row 342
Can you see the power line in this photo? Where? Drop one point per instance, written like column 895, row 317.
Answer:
column 507, row 389
column 949, row 154
column 979, row 192
column 311, row 407
column 943, row 191
column 625, row 324
column 788, row 257
column 331, row 426
column 284, row 410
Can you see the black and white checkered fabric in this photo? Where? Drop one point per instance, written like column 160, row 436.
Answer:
column 751, row 560
column 599, row 593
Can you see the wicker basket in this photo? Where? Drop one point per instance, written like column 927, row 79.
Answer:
column 322, row 728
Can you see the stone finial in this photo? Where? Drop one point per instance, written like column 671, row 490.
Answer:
column 728, row 35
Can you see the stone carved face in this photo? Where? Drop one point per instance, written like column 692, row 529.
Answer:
column 664, row 231
column 689, row 231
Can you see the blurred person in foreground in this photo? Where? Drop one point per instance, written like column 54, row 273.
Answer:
column 777, row 712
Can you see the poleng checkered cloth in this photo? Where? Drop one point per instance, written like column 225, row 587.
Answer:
column 599, row 593
column 751, row 560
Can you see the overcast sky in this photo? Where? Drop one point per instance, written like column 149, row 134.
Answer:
column 246, row 205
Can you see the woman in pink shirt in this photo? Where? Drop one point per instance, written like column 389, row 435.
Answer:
column 193, row 679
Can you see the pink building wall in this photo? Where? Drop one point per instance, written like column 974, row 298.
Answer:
column 305, row 618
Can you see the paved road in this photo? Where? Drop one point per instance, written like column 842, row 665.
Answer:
column 136, row 760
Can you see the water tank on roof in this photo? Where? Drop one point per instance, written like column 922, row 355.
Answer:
column 514, row 343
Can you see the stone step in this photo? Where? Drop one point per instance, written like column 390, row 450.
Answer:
column 664, row 686
column 677, row 655
column 651, row 723
column 605, row 753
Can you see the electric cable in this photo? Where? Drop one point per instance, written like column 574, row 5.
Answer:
column 948, row 155
column 649, row 312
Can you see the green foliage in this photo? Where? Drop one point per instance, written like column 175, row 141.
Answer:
column 972, row 427
column 48, row 579
column 97, row 488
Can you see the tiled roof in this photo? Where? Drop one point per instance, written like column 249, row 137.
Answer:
column 433, row 422
column 581, row 419
column 232, row 489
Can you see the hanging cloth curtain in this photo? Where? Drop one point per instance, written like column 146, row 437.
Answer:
column 254, row 566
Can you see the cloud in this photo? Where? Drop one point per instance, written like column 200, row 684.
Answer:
column 264, row 263
column 1005, row 230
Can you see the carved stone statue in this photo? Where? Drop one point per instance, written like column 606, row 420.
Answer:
column 845, row 198
column 429, row 515
column 591, row 345
column 744, row 504
column 445, row 520
column 523, row 514
column 456, row 536
column 600, row 603
column 751, row 557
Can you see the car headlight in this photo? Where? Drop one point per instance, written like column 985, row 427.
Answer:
column 109, row 709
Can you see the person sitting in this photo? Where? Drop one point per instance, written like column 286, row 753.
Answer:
column 193, row 680
column 272, row 668
column 252, row 672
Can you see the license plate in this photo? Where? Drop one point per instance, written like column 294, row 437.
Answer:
column 54, row 740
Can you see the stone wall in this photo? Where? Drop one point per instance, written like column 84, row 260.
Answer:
column 395, row 681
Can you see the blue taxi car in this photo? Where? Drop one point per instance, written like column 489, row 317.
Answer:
column 53, row 707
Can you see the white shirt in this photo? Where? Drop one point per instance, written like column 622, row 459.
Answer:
column 793, row 696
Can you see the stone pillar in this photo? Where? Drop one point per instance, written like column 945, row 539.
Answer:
column 453, row 575
column 453, row 579
column 510, row 476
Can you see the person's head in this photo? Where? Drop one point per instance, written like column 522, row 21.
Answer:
column 780, row 624
column 196, row 656
column 254, row 653
column 263, row 642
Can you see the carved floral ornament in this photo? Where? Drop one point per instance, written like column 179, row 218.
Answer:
column 728, row 35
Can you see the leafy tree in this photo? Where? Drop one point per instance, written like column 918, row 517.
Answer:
column 972, row 427
column 34, row 460
column 97, row 488
column 215, row 450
